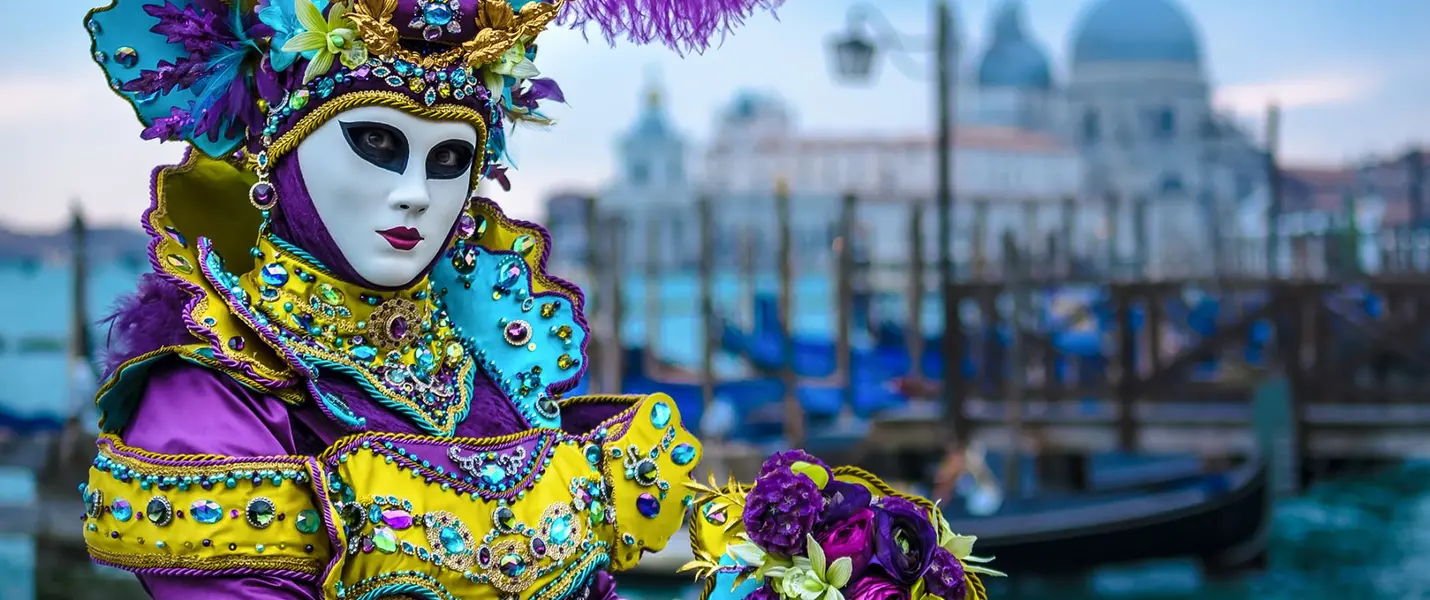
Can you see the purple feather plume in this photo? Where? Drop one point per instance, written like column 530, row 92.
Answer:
column 170, row 128
column 181, row 73
column 682, row 25
column 198, row 29
column 147, row 320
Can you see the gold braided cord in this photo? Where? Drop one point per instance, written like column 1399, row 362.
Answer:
column 334, row 449
column 111, row 442
column 328, row 109
column 130, row 560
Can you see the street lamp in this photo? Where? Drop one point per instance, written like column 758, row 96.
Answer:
column 854, row 55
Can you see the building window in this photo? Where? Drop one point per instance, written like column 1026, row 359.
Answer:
column 1091, row 127
column 640, row 173
column 1162, row 123
column 1172, row 184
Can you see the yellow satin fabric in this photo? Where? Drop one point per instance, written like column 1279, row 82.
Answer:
column 396, row 521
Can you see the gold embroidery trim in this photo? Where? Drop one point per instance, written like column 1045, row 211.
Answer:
column 129, row 560
column 116, row 451
column 391, row 99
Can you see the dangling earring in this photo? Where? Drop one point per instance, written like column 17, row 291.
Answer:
column 263, row 196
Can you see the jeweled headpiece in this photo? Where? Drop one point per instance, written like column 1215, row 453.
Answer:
column 255, row 77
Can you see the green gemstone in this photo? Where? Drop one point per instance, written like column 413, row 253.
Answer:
column 385, row 540
column 522, row 245
column 298, row 99
column 330, row 294
column 309, row 522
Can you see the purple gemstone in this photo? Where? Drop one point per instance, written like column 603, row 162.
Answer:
column 261, row 193
column 398, row 328
column 367, row 545
column 397, row 519
column 648, row 505
column 538, row 546
column 431, row 33
column 484, row 556
column 517, row 332
column 362, row 72
column 235, row 343
column 430, row 76
column 466, row 226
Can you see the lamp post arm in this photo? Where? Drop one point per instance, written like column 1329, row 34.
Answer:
column 864, row 16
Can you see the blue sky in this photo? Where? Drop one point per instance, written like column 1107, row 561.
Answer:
column 1352, row 75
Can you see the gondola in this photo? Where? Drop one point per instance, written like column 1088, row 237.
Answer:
column 1219, row 518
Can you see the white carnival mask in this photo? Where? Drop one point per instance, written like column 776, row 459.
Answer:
column 389, row 186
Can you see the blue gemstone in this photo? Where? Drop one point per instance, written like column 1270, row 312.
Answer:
column 426, row 360
column 206, row 511
column 452, row 540
column 437, row 13
column 364, row 353
column 560, row 530
column 459, row 76
column 493, row 473
column 274, row 274
column 509, row 272
column 648, row 505
column 660, row 415
column 683, row 454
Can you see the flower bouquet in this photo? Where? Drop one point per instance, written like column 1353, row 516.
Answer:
column 805, row 531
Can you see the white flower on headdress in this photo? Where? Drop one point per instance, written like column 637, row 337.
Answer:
column 336, row 36
column 513, row 63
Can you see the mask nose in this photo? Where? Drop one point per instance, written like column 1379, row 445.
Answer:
column 411, row 196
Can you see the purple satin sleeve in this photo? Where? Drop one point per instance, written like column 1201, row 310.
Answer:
column 188, row 409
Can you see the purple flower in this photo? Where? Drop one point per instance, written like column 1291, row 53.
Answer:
column 904, row 540
column 844, row 499
column 782, row 460
column 781, row 511
column 945, row 576
column 603, row 587
column 765, row 592
column 850, row 538
column 877, row 587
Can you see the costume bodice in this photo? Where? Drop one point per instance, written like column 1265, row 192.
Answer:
column 531, row 515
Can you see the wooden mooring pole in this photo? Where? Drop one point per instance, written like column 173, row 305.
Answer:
column 595, row 282
column 1015, row 268
column 794, row 412
column 707, row 304
column 844, row 283
column 914, row 325
column 653, row 258
column 615, row 350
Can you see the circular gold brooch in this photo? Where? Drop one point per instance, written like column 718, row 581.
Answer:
column 394, row 323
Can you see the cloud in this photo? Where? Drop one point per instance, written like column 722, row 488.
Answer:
column 1302, row 92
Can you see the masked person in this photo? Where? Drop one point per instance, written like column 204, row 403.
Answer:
column 343, row 378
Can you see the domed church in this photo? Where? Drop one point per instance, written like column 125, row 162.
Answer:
column 1135, row 101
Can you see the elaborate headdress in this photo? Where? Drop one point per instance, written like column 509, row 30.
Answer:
column 805, row 531
column 255, row 76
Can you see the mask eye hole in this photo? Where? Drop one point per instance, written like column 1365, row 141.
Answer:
column 378, row 143
column 450, row 159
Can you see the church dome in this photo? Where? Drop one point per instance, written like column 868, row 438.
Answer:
column 1012, row 59
column 1131, row 31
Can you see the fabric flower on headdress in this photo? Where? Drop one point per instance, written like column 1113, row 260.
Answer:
column 513, row 66
column 334, row 37
column 282, row 17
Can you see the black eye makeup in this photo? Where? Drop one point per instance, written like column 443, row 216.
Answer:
column 450, row 159
column 380, row 144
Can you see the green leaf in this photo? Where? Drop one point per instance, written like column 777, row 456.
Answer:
column 747, row 553
column 819, row 475
column 524, row 70
column 816, row 555
column 308, row 40
column 318, row 65
column 839, row 572
column 309, row 16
